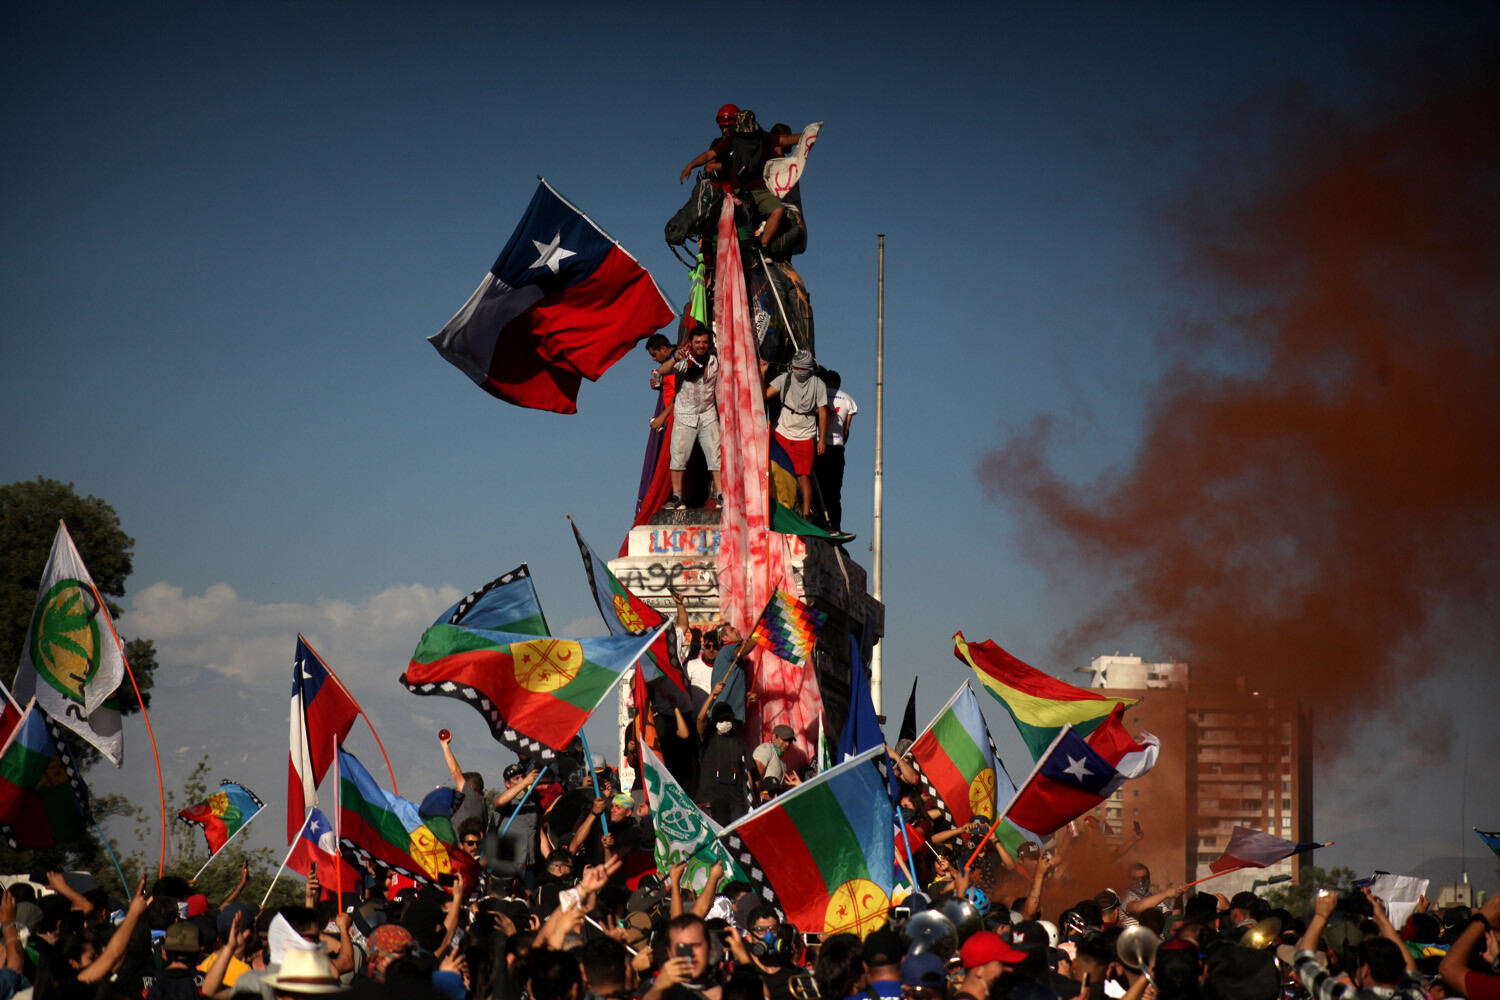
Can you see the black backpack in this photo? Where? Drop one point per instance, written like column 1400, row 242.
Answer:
column 747, row 156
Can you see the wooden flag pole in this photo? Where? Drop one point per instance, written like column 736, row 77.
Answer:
column 1236, row 868
column 161, row 787
column 1004, row 812
column 345, row 688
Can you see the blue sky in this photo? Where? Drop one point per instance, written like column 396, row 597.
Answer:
column 227, row 230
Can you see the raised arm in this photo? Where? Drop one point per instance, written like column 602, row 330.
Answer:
column 15, row 956
column 1383, row 921
column 109, row 959
column 1455, row 968
column 517, row 790
column 456, row 772
column 1138, row 906
column 62, row 888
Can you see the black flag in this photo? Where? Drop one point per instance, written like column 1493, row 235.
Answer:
column 909, row 720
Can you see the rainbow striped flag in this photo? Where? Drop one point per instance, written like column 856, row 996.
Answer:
column 789, row 628
column 222, row 814
column 43, row 800
column 1040, row 705
column 824, row 853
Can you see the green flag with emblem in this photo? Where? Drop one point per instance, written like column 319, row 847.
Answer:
column 683, row 831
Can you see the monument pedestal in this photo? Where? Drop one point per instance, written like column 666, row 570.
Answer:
column 680, row 549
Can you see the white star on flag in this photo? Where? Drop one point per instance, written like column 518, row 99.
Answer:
column 550, row 254
column 1076, row 769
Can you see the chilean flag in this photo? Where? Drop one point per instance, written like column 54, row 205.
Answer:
column 321, row 710
column 1075, row 775
column 318, row 845
column 562, row 303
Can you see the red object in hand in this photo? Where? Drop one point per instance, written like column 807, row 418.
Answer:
column 444, row 735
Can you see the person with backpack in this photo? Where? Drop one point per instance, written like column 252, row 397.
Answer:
column 738, row 159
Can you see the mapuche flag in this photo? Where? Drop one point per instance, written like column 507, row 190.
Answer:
column 71, row 661
column 506, row 604
column 534, row 691
column 43, row 800
column 626, row 614
column 390, row 832
column 956, row 762
column 826, row 849
column 1040, row 705
column 222, row 814
column 563, row 302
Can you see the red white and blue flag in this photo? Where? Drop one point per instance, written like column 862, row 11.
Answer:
column 563, row 302
column 1075, row 775
column 321, row 710
column 318, row 845
column 1253, row 849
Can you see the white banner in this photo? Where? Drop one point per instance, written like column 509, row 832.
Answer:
column 783, row 173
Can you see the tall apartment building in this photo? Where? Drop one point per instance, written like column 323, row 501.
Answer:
column 1230, row 757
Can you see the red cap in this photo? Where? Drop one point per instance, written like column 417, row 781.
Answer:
column 728, row 114
column 197, row 905
column 987, row 946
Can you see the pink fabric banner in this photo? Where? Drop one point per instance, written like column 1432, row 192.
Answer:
column 753, row 560
column 745, row 574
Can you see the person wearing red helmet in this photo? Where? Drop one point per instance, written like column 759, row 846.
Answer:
column 745, row 147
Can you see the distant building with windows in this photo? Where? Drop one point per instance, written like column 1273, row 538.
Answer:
column 1230, row 757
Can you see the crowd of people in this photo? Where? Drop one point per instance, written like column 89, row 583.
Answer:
column 570, row 906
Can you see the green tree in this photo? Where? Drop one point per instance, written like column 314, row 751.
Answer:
column 1296, row 896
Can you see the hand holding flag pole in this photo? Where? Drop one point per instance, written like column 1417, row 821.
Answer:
column 603, row 816
column 524, row 796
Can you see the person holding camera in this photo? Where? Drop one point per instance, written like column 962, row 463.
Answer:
column 1384, row 967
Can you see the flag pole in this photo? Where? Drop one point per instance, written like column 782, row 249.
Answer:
column 284, row 862
column 1236, row 868
column 226, row 843
column 338, row 819
column 878, row 535
column 345, row 688
column 604, row 815
column 118, row 870
column 524, row 796
column 160, row 785
column 1006, row 811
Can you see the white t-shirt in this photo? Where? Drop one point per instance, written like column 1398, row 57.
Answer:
column 799, row 426
column 700, row 678
column 844, row 407
column 766, row 755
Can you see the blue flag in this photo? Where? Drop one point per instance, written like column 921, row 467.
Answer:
column 862, row 727
column 505, row 604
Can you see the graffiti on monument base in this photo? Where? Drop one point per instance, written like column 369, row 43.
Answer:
column 688, row 579
column 687, row 541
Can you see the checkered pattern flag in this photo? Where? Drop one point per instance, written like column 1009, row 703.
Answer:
column 463, row 607
column 753, row 873
column 523, row 745
column 931, row 790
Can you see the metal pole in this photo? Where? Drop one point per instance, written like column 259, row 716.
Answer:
column 876, row 536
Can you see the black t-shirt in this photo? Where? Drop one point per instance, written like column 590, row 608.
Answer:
column 721, row 770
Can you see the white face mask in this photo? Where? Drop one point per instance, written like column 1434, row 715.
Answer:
column 724, row 727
